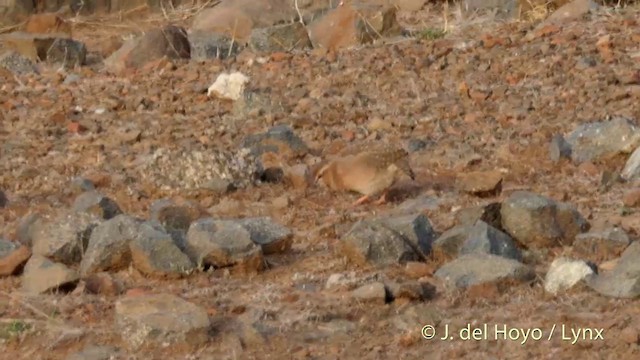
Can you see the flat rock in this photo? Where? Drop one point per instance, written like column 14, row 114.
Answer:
column 223, row 244
column 536, row 220
column 475, row 269
column 376, row 243
column 169, row 41
column 477, row 238
column 210, row 45
column 623, row 281
column 286, row 37
column 480, row 183
column 12, row 257
column 63, row 238
column 602, row 245
column 489, row 213
column 93, row 202
column 271, row 236
column 353, row 24
column 42, row 275
column 600, row 140
column 154, row 253
column 229, row 86
column 564, row 274
column 97, row 352
column 375, row 292
column 154, row 320
column 108, row 247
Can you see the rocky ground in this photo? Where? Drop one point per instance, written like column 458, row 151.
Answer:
column 143, row 216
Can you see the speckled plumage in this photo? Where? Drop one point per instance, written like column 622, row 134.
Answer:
column 369, row 173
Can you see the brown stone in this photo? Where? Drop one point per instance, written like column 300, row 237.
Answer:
column 351, row 25
column 47, row 23
column 481, row 183
column 11, row 263
column 631, row 198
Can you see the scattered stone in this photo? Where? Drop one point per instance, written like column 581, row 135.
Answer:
column 631, row 198
column 599, row 140
column 624, row 280
column 279, row 139
column 489, row 213
column 272, row 237
column 559, row 148
column 222, row 244
column 375, row 292
column 12, row 257
column 154, row 253
column 478, row 238
column 475, row 269
column 108, row 247
column 47, row 47
column 565, row 273
column 286, row 37
column 603, row 245
column 631, row 169
column 42, row 275
column 228, row 86
column 536, row 220
column 104, row 284
column 170, row 42
column 17, row 63
column 341, row 280
column 155, row 320
column 481, row 183
column 95, row 352
column 376, row 242
column 47, row 23
column 353, row 24
column 63, row 238
column 94, row 203
column 208, row 45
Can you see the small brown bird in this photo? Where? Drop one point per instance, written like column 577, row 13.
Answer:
column 368, row 173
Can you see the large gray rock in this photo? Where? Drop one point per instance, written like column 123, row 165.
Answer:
column 478, row 238
column 271, row 236
column 538, row 221
column 475, row 269
column 602, row 245
column 489, row 213
column 154, row 252
column 286, row 37
column 389, row 241
column 42, row 275
column 222, row 244
column 175, row 218
column 624, row 280
column 63, row 238
column 108, row 247
column 598, row 140
column 210, row 45
column 155, row 320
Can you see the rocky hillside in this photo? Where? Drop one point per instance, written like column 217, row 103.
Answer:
column 158, row 195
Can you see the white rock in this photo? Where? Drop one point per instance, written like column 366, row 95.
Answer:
column 229, row 86
column 565, row 273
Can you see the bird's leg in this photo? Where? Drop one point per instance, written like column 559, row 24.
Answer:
column 382, row 199
column 361, row 200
